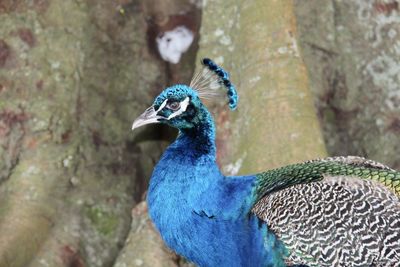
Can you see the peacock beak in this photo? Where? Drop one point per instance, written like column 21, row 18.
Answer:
column 149, row 116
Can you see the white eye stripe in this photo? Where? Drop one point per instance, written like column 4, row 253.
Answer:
column 162, row 105
column 183, row 107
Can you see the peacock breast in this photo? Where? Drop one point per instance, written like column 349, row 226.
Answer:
column 189, row 216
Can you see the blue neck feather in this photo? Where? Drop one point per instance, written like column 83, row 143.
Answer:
column 200, row 138
column 202, row 214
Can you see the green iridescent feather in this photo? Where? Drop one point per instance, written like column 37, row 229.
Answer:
column 315, row 170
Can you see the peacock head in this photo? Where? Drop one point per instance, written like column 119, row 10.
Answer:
column 180, row 105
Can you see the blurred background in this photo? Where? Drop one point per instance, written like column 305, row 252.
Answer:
column 315, row 78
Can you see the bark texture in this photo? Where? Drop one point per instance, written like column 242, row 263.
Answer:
column 352, row 52
column 275, row 123
column 73, row 75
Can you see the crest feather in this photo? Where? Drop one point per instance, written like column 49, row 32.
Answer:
column 211, row 78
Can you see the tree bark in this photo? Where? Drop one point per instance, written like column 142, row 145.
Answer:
column 73, row 75
column 275, row 123
column 351, row 49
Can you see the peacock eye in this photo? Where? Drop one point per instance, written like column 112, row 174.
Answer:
column 175, row 105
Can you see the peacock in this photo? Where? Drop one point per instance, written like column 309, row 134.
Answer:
column 337, row 211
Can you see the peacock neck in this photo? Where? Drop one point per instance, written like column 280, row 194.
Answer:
column 200, row 139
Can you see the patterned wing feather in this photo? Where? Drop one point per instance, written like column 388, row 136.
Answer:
column 337, row 221
column 314, row 170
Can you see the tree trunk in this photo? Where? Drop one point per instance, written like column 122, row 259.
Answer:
column 275, row 123
column 351, row 49
column 73, row 75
